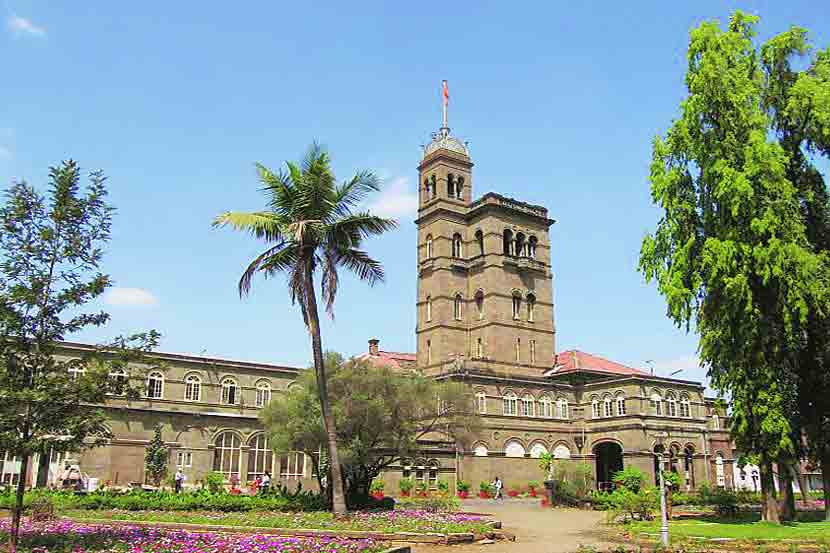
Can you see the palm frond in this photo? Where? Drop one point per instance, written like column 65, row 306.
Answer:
column 359, row 262
column 279, row 189
column 278, row 258
column 269, row 226
column 352, row 192
column 329, row 280
column 361, row 224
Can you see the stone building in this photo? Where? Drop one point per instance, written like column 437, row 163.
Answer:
column 485, row 316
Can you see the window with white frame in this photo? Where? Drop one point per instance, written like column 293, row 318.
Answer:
column 685, row 406
column 531, row 307
column 184, row 459
column 545, row 407
column 671, row 405
column 432, row 474
column 719, row 470
column 260, row 457
column 480, row 450
column 406, row 468
column 457, row 307
column 510, row 402
column 9, row 468
column 620, row 404
column 656, row 403
column 292, row 466
column 514, row 449
column 595, row 408
column 227, row 454
column 76, row 370
column 193, row 388
column 528, row 406
column 609, row 406
column 562, row 408
column 561, row 451
column 230, row 391
column 155, row 385
column 537, row 450
column 263, row 393
column 481, row 402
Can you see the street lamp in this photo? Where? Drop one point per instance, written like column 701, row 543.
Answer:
column 664, row 516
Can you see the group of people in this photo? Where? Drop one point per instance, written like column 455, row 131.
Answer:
column 260, row 485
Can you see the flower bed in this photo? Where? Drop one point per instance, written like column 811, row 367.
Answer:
column 387, row 521
column 69, row 536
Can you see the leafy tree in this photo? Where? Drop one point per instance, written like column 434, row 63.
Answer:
column 51, row 249
column 309, row 225
column 731, row 253
column 630, row 478
column 380, row 414
column 155, row 457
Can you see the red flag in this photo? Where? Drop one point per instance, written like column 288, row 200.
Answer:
column 446, row 93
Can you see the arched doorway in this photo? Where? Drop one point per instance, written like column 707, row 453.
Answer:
column 609, row 460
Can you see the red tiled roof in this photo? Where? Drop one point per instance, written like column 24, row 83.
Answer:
column 393, row 359
column 573, row 360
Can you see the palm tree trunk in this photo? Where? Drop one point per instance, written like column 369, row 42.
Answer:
column 336, row 484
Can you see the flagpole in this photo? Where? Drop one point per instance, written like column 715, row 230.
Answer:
column 445, row 102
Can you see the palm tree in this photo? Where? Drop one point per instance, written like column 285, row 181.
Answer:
column 309, row 225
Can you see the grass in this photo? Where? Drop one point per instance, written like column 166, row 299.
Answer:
column 389, row 521
column 744, row 527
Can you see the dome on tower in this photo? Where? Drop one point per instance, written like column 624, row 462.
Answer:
column 443, row 140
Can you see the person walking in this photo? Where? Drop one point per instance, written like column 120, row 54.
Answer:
column 266, row 482
column 497, row 486
column 179, row 479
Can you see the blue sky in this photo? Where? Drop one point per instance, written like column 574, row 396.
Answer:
column 175, row 101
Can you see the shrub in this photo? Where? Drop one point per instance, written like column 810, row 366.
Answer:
column 533, row 485
column 725, row 503
column 215, row 482
column 443, row 487
column 563, row 492
column 430, row 504
column 406, row 485
column 630, row 505
column 485, row 487
column 630, row 478
column 463, row 486
column 376, row 486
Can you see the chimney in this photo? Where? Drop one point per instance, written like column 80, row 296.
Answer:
column 373, row 346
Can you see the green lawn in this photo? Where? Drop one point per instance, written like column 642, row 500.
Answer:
column 745, row 527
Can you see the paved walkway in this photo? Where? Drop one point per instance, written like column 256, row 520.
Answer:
column 538, row 529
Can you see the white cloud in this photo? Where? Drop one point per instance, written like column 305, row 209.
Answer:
column 395, row 200
column 22, row 26
column 129, row 297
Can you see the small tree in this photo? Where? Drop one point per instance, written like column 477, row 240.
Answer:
column 50, row 253
column 155, row 457
column 380, row 416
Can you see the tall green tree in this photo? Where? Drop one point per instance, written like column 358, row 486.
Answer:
column 731, row 254
column 380, row 414
column 310, row 226
column 798, row 103
column 156, row 457
column 51, row 247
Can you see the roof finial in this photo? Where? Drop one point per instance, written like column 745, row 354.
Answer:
column 445, row 129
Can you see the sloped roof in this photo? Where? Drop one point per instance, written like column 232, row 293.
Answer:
column 574, row 361
column 394, row 359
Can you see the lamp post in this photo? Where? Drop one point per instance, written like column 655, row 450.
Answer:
column 664, row 516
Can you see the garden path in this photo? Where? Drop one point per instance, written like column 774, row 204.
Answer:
column 538, row 529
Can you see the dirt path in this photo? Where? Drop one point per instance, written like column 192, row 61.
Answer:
column 537, row 529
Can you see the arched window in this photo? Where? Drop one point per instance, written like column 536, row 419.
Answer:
column 656, row 403
column 263, row 393
column 230, row 391
column 561, row 451
column 528, row 406
column 292, row 466
column 620, row 404
column 260, row 457
column 427, row 191
column 531, row 306
column 456, row 246
column 517, row 305
column 545, row 407
column 433, row 187
column 671, row 405
column 685, row 406
column 531, row 247
column 429, row 246
column 719, row 470
column 457, row 307
column 609, row 406
column 508, row 242
column 480, row 304
column 518, row 350
column 537, row 450
column 520, row 244
column 76, row 370
column 118, row 381
column 432, row 476
column 532, row 351
column 480, row 242
column 155, row 385
column 689, row 466
column 429, row 308
column 227, row 454
column 193, row 388
column 562, row 408
column 480, row 450
column 514, row 449
column 481, row 402
column 406, row 468
column 459, row 188
column 451, row 185
column 429, row 351
column 510, row 402
column 479, row 348
column 595, row 408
